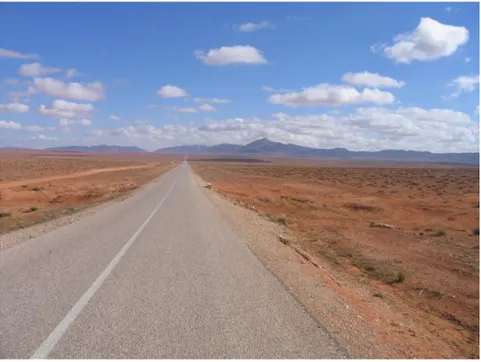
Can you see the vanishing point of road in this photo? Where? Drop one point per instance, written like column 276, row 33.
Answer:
column 158, row 275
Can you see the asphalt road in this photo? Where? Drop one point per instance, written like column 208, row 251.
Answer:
column 158, row 275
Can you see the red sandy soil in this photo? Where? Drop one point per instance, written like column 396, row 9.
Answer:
column 37, row 188
column 427, row 266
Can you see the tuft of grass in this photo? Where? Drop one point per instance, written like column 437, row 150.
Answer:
column 5, row 214
column 379, row 295
column 36, row 188
column 441, row 233
column 400, row 277
column 32, row 209
column 328, row 256
column 476, row 231
column 364, row 264
column 280, row 220
column 24, row 186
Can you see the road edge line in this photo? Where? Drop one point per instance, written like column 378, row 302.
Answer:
column 51, row 341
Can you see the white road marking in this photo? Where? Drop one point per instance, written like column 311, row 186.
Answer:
column 47, row 346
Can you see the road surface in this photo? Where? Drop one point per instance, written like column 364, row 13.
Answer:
column 158, row 275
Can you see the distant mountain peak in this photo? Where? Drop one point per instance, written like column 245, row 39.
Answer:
column 265, row 146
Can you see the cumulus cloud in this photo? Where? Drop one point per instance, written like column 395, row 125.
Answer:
column 237, row 54
column 72, row 72
column 250, row 27
column 10, row 125
column 65, row 109
column 429, row 41
column 211, row 100
column 332, row 95
column 202, row 108
column 11, row 81
column 464, row 84
column 82, row 92
column 17, row 126
column 44, row 138
column 33, row 128
column 373, row 80
column 5, row 53
column 36, row 70
column 13, row 108
column 206, row 108
column 114, row 118
column 272, row 90
column 372, row 128
column 171, row 91
column 69, row 122
column 185, row 109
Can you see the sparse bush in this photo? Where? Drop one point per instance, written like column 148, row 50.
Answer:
column 5, row 214
column 360, row 207
column 36, row 188
column 24, row 186
column 32, row 209
column 379, row 295
column 441, row 233
column 400, row 277
column 281, row 220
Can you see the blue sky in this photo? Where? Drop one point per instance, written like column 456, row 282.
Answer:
column 364, row 76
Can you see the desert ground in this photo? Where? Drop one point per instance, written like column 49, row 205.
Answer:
column 37, row 186
column 408, row 232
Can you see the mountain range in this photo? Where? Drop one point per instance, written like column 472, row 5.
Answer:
column 266, row 147
column 269, row 148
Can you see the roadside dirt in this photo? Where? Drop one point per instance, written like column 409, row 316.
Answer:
column 26, row 199
column 5, row 185
column 396, row 245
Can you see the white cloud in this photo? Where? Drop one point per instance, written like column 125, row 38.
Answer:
column 44, row 138
column 373, row 80
column 185, row 109
column 464, row 84
column 68, row 122
column 65, row 109
column 332, row 95
column 250, row 27
column 171, row 91
column 206, row 108
column 17, row 126
column 467, row 59
column 55, row 88
column 5, row 53
column 72, row 72
column 13, row 108
column 436, row 130
column 10, row 125
column 36, row 70
column 237, row 54
column 212, row 100
column 33, row 128
column 114, row 118
column 448, row 9
column 11, row 81
column 272, row 90
column 429, row 41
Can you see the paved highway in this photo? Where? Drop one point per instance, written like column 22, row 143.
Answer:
column 158, row 275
